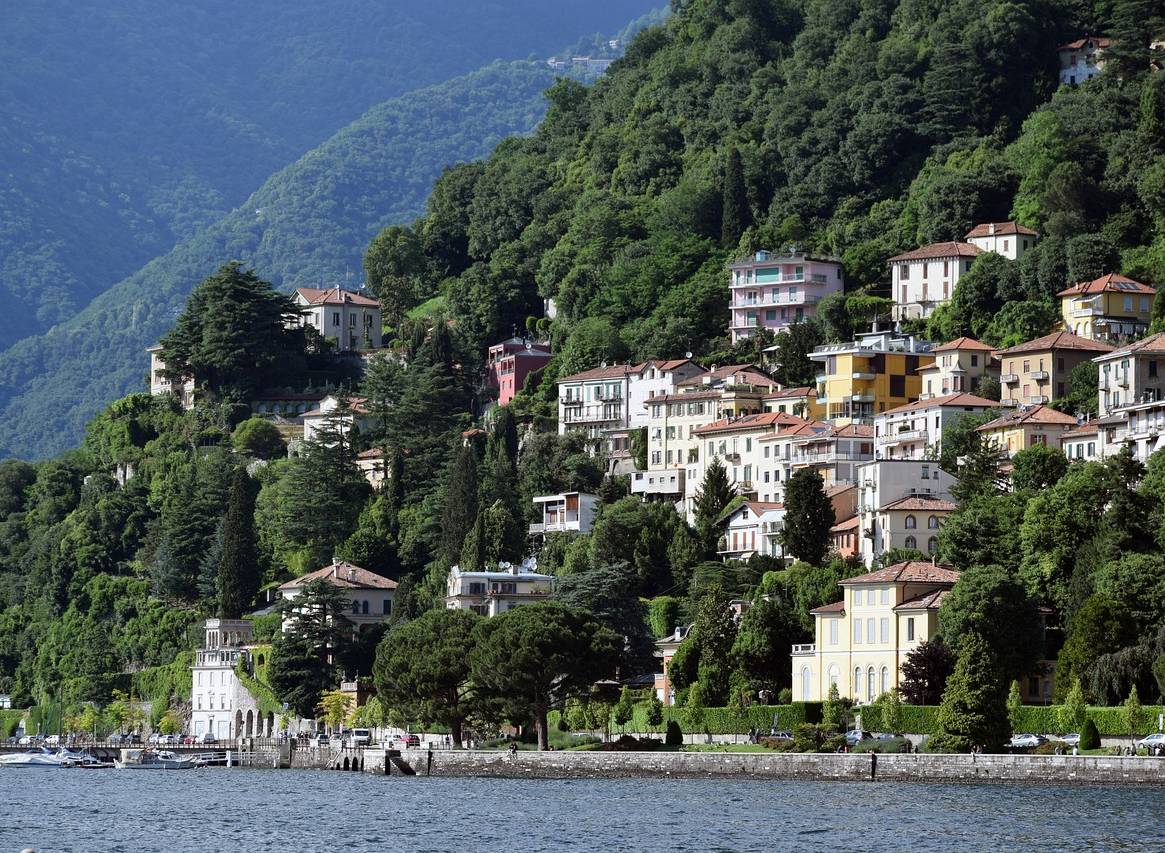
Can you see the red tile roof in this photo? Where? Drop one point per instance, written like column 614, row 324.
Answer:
column 929, row 601
column 1058, row 340
column 952, row 249
column 1032, row 415
column 742, row 374
column 912, row 571
column 1154, row 344
column 810, row 428
column 916, row 504
column 355, row 404
column 1112, row 283
column 983, row 229
column 1099, row 41
column 1081, row 431
column 335, row 296
column 960, row 399
column 745, row 422
column 343, row 574
column 803, row 391
column 846, row 524
column 614, row 371
column 836, row 607
column 964, row 343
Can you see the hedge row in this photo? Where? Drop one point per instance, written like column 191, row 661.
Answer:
column 725, row 721
column 1037, row 719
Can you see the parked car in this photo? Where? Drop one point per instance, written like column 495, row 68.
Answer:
column 169, row 740
column 321, row 739
column 780, row 734
column 53, row 740
column 208, row 737
column 189, row 739
column 412, row 741
column 1151, row 742
column 362, row 737
column 1071, row 739
column 132, row 737
column 154, row 739
column 853, row 736
column 1026, row 741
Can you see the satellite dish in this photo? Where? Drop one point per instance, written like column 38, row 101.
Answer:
column 688, row 354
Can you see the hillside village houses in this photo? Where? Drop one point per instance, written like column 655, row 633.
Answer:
column 1131, row 398
column 1037, row 372
column 960, row 365
column 754, row 527
column 773, row 291
column 568, row 512
column 508, row 364
column 1019, row 429
column 1110, row 308
column 915, row 431
column 902, row 503
column 924, row 278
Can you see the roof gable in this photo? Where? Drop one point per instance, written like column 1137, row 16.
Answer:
column 1058, row 340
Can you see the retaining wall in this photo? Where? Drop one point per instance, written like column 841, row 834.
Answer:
column 1041, row 769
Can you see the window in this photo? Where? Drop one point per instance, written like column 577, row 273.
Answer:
column 911, row 543
column 884, row 630
column 905, row 276
column 932, row 545
column 364, row 608
column 885, row 596
column 911, row 522
column 857, row 632
column 857, row 597
column 871, row 629
column 885, row 680
column 335, row 318
column 1027, row 366
column 833, row 632
column 925, row 472
column 351, row 321
column 833, row 676
column 974, row 360
column 910, row 629
column 387, row 606
column 355, row 608
column 871, row 685
column 1153, row 369
column 1128, row 304
column 932, row 522
column 806, row 683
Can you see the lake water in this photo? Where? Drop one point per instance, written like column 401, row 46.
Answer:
column 263, row 810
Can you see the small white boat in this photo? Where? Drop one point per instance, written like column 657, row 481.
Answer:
column 154, row 759
column 40, row 757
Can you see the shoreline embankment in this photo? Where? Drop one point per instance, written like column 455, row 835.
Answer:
column 861, row 767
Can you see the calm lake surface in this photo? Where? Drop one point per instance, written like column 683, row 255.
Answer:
column 264, row 810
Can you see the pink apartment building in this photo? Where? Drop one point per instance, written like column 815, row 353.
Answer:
column 510, row 362
column 775, row 291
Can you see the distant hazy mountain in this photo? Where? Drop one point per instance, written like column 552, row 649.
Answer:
column 127, row 125
column 308, row 223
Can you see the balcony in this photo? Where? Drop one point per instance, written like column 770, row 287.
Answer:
column 570, row 401
column 1039, row 375
column 1037, row 400
column 1087, row 312
column 868, row 397
column 802, row 649
column 868, row 377
column 904, row 435
column 1008, row 378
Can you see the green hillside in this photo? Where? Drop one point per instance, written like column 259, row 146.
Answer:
column 307, row 224
column 130, row 125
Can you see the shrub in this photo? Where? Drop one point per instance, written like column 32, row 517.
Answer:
column 627, row 743
column 816, row 738
column 785, row 696
column 895, row 744
column 778, row 744
column 1089, row 736
column 675, row 735
column 1049, row 748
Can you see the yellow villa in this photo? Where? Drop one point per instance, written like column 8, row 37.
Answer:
column 1109, row 308
column 1023, row 428
column 879, row 371
column 863, row 639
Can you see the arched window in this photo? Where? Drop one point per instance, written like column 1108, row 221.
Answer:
column 911, row 542
column 885, row 680
column 911, row 523
column 857, row 682
column 364, row 608
column 932, row 522
column 355, row 607
column 871, row 685
column 806, row 684
column 932, row 545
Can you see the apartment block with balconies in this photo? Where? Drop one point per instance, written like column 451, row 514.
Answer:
column 568, row 512
column 924, row 278
column 1111, row 308
column 1037, row 372
column 1028, row 426
column 595, row 401
column 835, row 454
column 863, row 378
column 1132, row 397
column 915, row 431
column 774, row 291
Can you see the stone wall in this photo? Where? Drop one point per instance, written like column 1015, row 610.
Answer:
column 1041, row 769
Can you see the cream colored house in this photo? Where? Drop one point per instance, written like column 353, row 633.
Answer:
column 863, row 640
column 1020, row 429
column 369, row 595
column 160, row 385
column 351, row 320
column 959, row 366
column 1038, row 371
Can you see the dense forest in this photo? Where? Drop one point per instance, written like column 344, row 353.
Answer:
column 129, row 126
column 857, row 129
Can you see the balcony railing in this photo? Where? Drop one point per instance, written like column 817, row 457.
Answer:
column 1039, row 375
column 904, row 435
column 1008, row 378
column 805, row 649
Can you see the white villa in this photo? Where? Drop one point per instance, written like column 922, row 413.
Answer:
column 350, row 320
column 488, row 593
column 370, row 595
column 568, row 512
column 220, row 702
column 159, row 385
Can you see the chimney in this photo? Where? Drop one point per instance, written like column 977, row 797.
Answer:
column 351, row 573
column 991, row 228
column 335, row 567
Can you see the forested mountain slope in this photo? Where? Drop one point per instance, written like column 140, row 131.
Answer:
column 127, row 125
column 307, row 224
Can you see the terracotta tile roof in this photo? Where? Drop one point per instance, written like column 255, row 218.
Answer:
column 852, row 431
column 836, row 607
column 710, row 394
column 614, row 371
column 846, row 524
column 929, row 601
column 674, row 363
column 952, row 249
column 961, row 399
column 983, row 229
column 335, row 296
column 1081, row 431
column 809, row 428
column 371, row 453
column 912, row 571
column 1058, row 340
column 964, row 343
column 757, row 421
column 472, row 432
column 758, row 508
column 839, row 489
column 343, row 574
column 742, row 374
column 803, row 391
column 1112, row 283
column 1154, row 344
column 916, row 504
column 1032, row 415
column 1099, row 41
column 355, row 404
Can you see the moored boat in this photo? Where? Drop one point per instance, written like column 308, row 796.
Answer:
column 40, row 757
column 153, row 759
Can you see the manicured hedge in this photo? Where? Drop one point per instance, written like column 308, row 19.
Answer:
column 1036, row 719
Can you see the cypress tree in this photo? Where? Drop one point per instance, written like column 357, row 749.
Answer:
column 238, row 571
column 808, row 517
column 736, row 215
column 460, row 511
column 712, row 497
column 973, row 712
column 473, row 551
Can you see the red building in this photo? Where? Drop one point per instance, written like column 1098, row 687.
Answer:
column 510, row 362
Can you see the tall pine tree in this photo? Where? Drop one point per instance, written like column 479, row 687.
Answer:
column 736, row 215
column 714, row 494
column 461, row 502
column 238, row 571
column 808, row 516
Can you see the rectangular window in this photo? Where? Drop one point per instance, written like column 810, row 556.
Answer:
column 335, row 318
column 1128, row 304
column 910, row 628
column 904, row 276
column 871, row 627
column 885, row 596
column 833, row 632
column 974, row 361
column 386, row 607
column 857, row 597
column 1153, row 369
column 884, row 629
column 857, row 632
